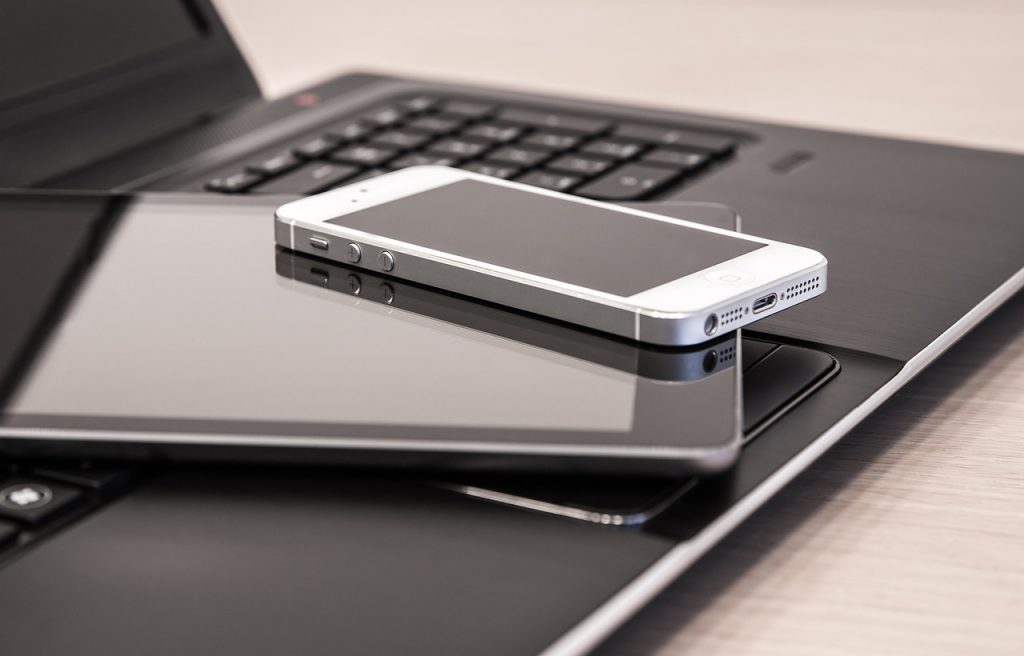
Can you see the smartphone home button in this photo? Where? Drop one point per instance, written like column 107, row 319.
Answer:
column 729, row 277
column 386, row 260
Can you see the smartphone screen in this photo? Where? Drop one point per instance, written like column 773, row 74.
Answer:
column 592, row 247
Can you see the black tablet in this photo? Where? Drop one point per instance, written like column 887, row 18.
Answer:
column 171, row 326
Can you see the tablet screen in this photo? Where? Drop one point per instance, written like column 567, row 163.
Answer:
column 185, row 320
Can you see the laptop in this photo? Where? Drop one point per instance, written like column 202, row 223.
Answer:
column 152, row 98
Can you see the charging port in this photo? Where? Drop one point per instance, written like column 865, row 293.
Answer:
column 765, row 303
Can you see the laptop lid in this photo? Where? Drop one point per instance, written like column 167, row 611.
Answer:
column 94, row 78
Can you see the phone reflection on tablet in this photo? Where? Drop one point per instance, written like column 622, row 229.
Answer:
column 673, row 389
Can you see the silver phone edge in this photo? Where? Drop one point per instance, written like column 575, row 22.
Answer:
column 661, row 329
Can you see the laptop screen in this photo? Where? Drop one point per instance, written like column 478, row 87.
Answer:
column 81, row 81
column 58, row 41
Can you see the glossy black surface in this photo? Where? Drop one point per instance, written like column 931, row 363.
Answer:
column 40, row 268
column 642, row 360
column 586, row 246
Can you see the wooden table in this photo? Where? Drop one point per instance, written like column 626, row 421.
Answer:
column 909, row 536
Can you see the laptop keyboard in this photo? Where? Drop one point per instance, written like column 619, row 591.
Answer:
column 598, row 157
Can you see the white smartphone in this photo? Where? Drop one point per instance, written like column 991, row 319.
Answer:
column 624, row 271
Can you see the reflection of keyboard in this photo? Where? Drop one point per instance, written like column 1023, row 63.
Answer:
column 37, row 499
column 594, row 156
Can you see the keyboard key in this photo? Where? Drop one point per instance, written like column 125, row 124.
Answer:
column 420, row 103
column 551, row 140
column 349, row 130
column 33, row 502
column 548, row 180
column 717, row 144
column 687, row 160
column 88, row 475
column 233, row 184
column 519, row 156
column 384, row 116
column 437, row 125
column 8, row 533
column 629, row 182
column 363, row 154
column 585, row 166
column 458, row 148
column 311, row 178
column 616, row 148
column 492, row 169
column 494, row 132
column 423, row 159
column 565, row 122
column 317, row 147
column 468, row 109
column 401, row 139
column 276, row 165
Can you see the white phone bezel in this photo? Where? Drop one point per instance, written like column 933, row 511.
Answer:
column 695, row 294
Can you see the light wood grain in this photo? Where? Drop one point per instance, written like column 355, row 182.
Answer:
column 908, row 538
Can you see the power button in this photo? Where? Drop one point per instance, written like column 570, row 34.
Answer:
column 386, row 261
